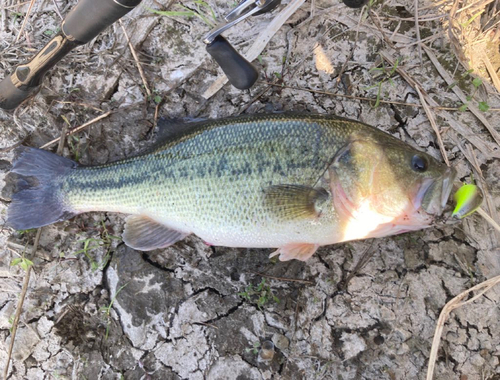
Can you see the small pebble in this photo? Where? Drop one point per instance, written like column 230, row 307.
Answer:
column 266, row 352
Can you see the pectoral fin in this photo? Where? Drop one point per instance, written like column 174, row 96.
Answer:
column 295, row 201
column 298, row 251
column 145, row 234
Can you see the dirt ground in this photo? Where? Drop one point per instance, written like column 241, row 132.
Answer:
column 96, row 309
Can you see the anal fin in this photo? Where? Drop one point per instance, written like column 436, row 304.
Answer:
column 298, row 251
column 145, row 234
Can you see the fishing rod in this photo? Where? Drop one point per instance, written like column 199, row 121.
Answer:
column 84, row 22
column 90, row 17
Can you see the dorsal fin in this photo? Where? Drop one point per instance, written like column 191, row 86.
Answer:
column 169, row 129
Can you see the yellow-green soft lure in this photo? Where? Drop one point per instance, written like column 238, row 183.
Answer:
column 468, row 199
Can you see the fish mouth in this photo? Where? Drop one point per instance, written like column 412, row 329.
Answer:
column 434, row 193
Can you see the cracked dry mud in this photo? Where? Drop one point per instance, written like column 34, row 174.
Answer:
column 180, row 312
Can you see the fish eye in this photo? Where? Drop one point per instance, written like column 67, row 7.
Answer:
column 419, row 163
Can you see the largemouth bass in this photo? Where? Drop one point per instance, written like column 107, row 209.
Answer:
column 290, row 182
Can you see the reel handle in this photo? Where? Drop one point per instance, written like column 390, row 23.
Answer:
column 241, row 73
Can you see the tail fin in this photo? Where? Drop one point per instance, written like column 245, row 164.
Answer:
column 37, row 200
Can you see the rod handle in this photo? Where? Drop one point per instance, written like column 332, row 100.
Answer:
column 90, row 17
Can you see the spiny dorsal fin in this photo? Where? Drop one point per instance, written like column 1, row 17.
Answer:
column 295, row 201
column 145, row 234
column 169, row 129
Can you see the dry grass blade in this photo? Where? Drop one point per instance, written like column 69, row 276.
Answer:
column 474, row 162
column 449, row 80
column 489, row 219
column 492, row 72
column 448, row 308
column 370, row 100
column 298, row 280
column 480, row 144
column 346, row 62
column 417, row 30
column 427, row 110
column 432, row 120
column 17, row 5
column 490, row 203
column 136, row 59
column 19, row 307
column 74, row 130
column 364, row 259
column 475, row 6
column 25, row 20
column 338, row 14
column 56, row 8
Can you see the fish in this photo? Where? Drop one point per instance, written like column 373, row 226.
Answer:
column 292, row 182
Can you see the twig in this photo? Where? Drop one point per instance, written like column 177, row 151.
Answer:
column 417, row 30
column 378, row 25
column 79, row 104
column 475, row 6
column 204, row 324
column 448, row 308
column 64, row 132
column 254, row 99
column 456, row 89
column 342, row 69
column 488, row 218
column 19, row 307
column 473, row 160
column 492, row 72
column 32, row 2
column 16, row 5
column 365, row 258
column 155, row 120
column 74, row 130
column 493, row 215
column 283, row 278
column 371, row 100
column 134, row 54
column 426, row 18
column 475, row 140
column 432, row 120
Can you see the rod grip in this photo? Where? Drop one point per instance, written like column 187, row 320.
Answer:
column 241, row 73
column 11, row 96
column 90, row 17
column 27, row 77
column 355, row 3
column 85, row 21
